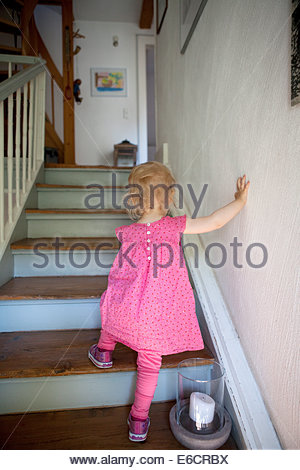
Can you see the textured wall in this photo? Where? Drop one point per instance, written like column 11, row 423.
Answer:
column 224, row 109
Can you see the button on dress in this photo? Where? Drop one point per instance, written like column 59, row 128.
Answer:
column 149, row 301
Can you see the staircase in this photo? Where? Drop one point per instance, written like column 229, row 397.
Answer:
column 50, row 309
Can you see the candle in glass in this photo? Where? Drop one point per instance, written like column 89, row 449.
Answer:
column 202, row 409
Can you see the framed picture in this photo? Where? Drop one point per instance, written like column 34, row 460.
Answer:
column 161, row 9
column 190, row 12
column 295, row 53
column 108, row 81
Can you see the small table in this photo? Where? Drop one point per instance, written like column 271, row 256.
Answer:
column 125, row 150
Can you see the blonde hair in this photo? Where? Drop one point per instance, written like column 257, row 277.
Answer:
column 142, row 181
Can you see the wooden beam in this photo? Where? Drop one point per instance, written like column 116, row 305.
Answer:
column 146, row 17
column 67, row 35
column 27, row 12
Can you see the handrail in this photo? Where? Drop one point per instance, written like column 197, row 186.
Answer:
column 22, row 129
column 18, row 80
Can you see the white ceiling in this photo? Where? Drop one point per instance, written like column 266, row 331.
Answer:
column 125, row 11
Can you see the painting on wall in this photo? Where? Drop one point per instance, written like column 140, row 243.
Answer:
column 108, row 81
column 295, row 53
column 190, row 12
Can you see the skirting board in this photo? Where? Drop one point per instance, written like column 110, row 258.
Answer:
column 252, row 425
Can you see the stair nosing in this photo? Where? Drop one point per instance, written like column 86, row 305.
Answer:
column 44, row 186
column 32, row 242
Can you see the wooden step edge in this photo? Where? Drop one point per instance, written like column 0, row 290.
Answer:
column 53, row 287
column 91, row 167
column 17, row 50
column 66, row 243
column 75, row 186
column 9, row 23
column 75, row 211
column 65, row 352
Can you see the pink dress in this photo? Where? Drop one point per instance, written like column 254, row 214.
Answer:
column 149, row 301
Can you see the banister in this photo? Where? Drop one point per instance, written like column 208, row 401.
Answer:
column 11, row 84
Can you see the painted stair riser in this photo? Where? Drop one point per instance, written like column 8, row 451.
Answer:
column 80, row 198
column 81, row 176
column 63, row 263
column 78, row 391
column 77, row 225
column 54, row 314
column 49, row 314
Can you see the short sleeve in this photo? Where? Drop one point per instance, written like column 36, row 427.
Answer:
column 179, row 224
column 119, row 232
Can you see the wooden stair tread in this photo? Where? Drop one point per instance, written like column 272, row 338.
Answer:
column 9, row 26
column 89, row 429
column 64, row 352
column 17, row 50
column 76, row 211
column 90, row 242
column 70, row 186
column 92, row 167
column 53, row 287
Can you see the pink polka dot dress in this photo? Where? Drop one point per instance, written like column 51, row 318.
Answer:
column 149, row 301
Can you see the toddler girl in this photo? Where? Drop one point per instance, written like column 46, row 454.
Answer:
column 149, row 303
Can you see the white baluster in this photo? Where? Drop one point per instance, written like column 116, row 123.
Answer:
column 36, row 124
column 10, row 157
column 24, row 138
column 30, row 129
column 17, row 146
column 41, row 117
column 1, row 173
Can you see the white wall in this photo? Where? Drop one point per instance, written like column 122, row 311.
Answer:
column 224, row 109
column 99, row 121
column 49, row 23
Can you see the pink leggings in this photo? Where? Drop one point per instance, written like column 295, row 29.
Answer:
column 148, row 365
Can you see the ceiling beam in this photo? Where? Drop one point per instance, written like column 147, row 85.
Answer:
column 146, row 17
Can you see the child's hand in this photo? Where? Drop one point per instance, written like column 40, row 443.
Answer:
column 242, row 189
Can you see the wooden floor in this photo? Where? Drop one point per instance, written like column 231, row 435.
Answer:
column 88, row 429
column 64, row 352
column 53, row 287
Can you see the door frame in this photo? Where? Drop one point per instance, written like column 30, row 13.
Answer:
column 142, row 42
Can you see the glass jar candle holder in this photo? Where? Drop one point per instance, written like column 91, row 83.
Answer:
column 200, row 396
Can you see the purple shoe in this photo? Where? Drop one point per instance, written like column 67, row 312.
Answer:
column 138, row 429
column 101, row 359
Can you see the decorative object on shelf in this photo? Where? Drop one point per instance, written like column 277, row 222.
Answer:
column 198, row 419
column 108, row 81
column 295, row 53
column 190, row 12
column 76, row 90
column 125, row 149
column 161, row 9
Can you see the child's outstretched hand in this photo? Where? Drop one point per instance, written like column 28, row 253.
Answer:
column 242, row 189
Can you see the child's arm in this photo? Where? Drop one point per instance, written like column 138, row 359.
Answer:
column 221, row 216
